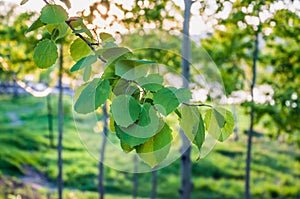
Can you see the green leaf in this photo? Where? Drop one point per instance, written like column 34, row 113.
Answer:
column 165, row 101
column 35, row 25
column 79, row 90
column 219, row 123
column 87, row 73
column 126, row 147
column 110, row 45
column 156, row 149
column 23, row 2
column 45, row 54
column 83, row 62
column 147, row 125
column 61, row 29
column 125, row 110
column 92, row 96
column 124, row 87
column 109, row 73
column 76, row 21
column 105, row 37
column 132, row 69
column 193, row 125
column 88, row 32
column 67, row 3
column 112, row 53
column 79, row 49
column 183, row 95
column 127, row 140
column 152, row 82
column 53, row 14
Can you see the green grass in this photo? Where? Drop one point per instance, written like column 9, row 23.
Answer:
column 275, row 166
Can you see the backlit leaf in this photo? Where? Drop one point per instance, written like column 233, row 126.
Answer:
column 148, row 124
column 219, row 123
column 35, row 25
column 83, row 62
column 156, row 149
column 105, row 37
column 152, row 82
column 79, row 49
column 132, row 69
column 128, row 140
column 61, row 29
column 165, row 101
column 92, row 96
column 45, row 54
column 125, row 110
column 87, row 73
column 193, row 125
column 53, row 14
column 183, row 95
column 112, row 53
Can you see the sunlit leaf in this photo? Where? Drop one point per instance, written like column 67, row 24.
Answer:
column 112, row 53
column 193, row 125
column 132, row 69
column 83, row 62
column 45, row 54
column 165, row 101
column 53, row 14
column 128, row 140
column 92, row 96
column 147, row 125
column 125, row 110
column 35, row 25
column 219, row 123
column 183, row 95
column 105, row 37
column 87, row 73
column 156, row 149
column 152, row 82
column 79, row 49
column 61, row 29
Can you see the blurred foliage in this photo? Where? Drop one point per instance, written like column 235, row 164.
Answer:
column 274, row 168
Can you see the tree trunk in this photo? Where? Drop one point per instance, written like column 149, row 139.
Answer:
column 60, row 125
column 250, row 132
column 101, row 188
column 154, row 184
column 135, row 177
column 186, row 166
column 15, row 86
column 235, row 130
column 50, row 121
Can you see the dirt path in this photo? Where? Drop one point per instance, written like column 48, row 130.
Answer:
column 36, row 180
column 32, row 178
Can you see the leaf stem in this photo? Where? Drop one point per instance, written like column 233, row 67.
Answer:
column 46, row 2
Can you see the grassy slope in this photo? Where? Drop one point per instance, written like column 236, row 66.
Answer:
column 275, row 167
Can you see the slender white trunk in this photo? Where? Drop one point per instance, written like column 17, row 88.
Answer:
column 186, row 165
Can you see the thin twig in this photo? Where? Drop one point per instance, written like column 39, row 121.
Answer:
column 207, row 105
column 90, row 44
column 46, row 2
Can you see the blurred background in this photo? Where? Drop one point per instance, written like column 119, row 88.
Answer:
column 232, row 34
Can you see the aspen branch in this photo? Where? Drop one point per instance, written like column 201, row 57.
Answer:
column 90, row 44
